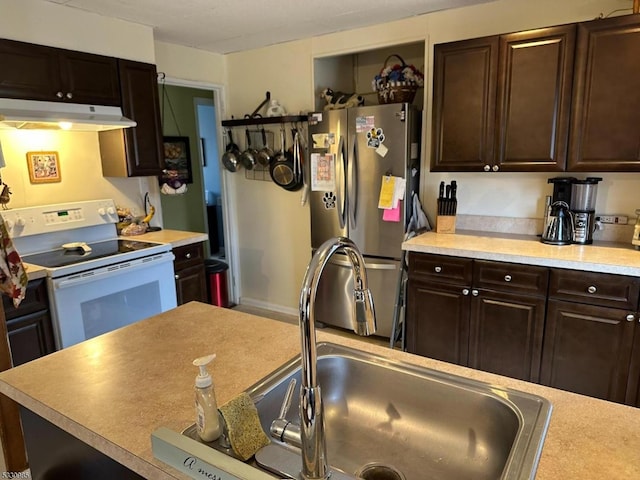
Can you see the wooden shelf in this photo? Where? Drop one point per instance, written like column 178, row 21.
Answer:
column 240, row 122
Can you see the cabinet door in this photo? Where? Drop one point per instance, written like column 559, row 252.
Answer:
column 464, row 98
column 605, row 124
column 29, row 71
column 191, row 285
column 506, row 334
column 438, row 321
column 143, row 143
column 534, row 93
column 587, row 350
column 633, row 384
column 89, row 78
column 30, row 337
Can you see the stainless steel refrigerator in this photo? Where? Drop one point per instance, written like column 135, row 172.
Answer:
column 352, row 152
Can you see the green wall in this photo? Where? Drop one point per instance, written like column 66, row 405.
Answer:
column 186, row 211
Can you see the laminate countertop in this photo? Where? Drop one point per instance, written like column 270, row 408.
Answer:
column 603, row 257
column 113, row 391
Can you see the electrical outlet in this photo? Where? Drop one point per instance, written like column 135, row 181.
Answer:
column 614, row 219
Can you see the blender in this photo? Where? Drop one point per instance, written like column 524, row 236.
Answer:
column 583, row 206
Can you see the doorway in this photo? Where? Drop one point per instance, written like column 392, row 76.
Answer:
column 193, row 110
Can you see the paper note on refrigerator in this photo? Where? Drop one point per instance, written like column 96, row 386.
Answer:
column 391, row 191
column 387, row 192
column 392, row 214
column 323, row 172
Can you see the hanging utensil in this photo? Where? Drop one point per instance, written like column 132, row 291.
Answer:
column 248, row 157
column 231, row 156
column 265, row 154
column 281, row 169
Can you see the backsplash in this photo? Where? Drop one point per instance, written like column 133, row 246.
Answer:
column 533, row 226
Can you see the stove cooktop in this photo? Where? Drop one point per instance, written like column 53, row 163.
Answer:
column 63, row 257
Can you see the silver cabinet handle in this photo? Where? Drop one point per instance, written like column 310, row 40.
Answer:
column 188, row 255
column 474, row 292
column 592, row 289
column 437, row 269
column 507, row 278
column 59, row 94
column 631, row 317
column 495, row 168
column 486, row 168
column 465, row 291
column 69, row 95
column 176, row 276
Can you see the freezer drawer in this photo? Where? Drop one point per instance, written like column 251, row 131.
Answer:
column 335, row 292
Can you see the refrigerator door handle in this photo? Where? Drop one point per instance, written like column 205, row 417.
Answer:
column 342, row 185
column 353, row 183
column 371, row 266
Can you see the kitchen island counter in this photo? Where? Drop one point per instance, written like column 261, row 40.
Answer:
column 113, row 391
column 603, row 257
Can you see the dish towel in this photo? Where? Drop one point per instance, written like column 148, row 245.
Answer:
column 13, row 277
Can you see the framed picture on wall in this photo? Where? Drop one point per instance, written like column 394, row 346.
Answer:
column 44, row 167
column 177, row 161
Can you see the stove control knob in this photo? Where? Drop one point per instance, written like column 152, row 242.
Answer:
column 102, row 211
column 20, row 222
column 111, row 211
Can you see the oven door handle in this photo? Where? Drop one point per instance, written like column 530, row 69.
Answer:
column 111, row 271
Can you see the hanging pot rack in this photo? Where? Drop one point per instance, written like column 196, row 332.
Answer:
column 257, row 119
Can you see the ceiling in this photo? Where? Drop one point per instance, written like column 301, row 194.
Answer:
column 225, row 26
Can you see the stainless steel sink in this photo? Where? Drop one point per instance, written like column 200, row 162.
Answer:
column 419, row 422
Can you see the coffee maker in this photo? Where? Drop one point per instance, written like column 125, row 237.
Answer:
column 579, row 196
column 583, row 207
column 558, row 227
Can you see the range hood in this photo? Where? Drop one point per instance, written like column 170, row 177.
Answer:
column 36, row 115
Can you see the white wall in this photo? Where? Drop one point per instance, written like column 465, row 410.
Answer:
column 274, row 229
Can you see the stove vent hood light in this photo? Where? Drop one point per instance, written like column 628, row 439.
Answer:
column 36, row 115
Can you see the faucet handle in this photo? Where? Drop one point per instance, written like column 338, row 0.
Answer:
column 286, row 402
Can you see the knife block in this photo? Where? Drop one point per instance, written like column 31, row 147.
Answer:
column 446, row 224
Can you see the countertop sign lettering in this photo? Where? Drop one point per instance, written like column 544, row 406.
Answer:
column 192, row 464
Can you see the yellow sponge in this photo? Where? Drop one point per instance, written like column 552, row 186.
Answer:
column 243, row 426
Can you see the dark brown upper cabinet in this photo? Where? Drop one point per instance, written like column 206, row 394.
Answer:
column 502, row 103
column 37, row 72
column 135, row 151
column 605, row 126
column 464, row 98
column 534, row 99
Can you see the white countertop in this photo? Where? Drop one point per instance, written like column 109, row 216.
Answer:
column 603, row 257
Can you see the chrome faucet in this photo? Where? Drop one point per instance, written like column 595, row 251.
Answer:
column 363, row 322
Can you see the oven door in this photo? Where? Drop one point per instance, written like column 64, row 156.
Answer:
column 88, row 304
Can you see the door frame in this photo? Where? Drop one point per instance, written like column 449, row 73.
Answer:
column 229, row 225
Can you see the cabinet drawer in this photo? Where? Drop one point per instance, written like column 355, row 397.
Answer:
column 188, row 255
column 602, row 289
column 440, row 268
column 35, row 300
column 511, row 277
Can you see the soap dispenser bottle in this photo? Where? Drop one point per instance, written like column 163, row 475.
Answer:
column 207, row 419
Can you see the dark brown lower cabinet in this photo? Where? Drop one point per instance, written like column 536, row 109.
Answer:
column 506, row 334
column 191, row 283
column 587, row 349
column 633, row 385
column 438, row 321
column 29, row 326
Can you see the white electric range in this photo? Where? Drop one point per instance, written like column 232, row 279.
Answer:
column 96, row 281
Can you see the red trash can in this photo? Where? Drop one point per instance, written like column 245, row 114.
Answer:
column 216, row 272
